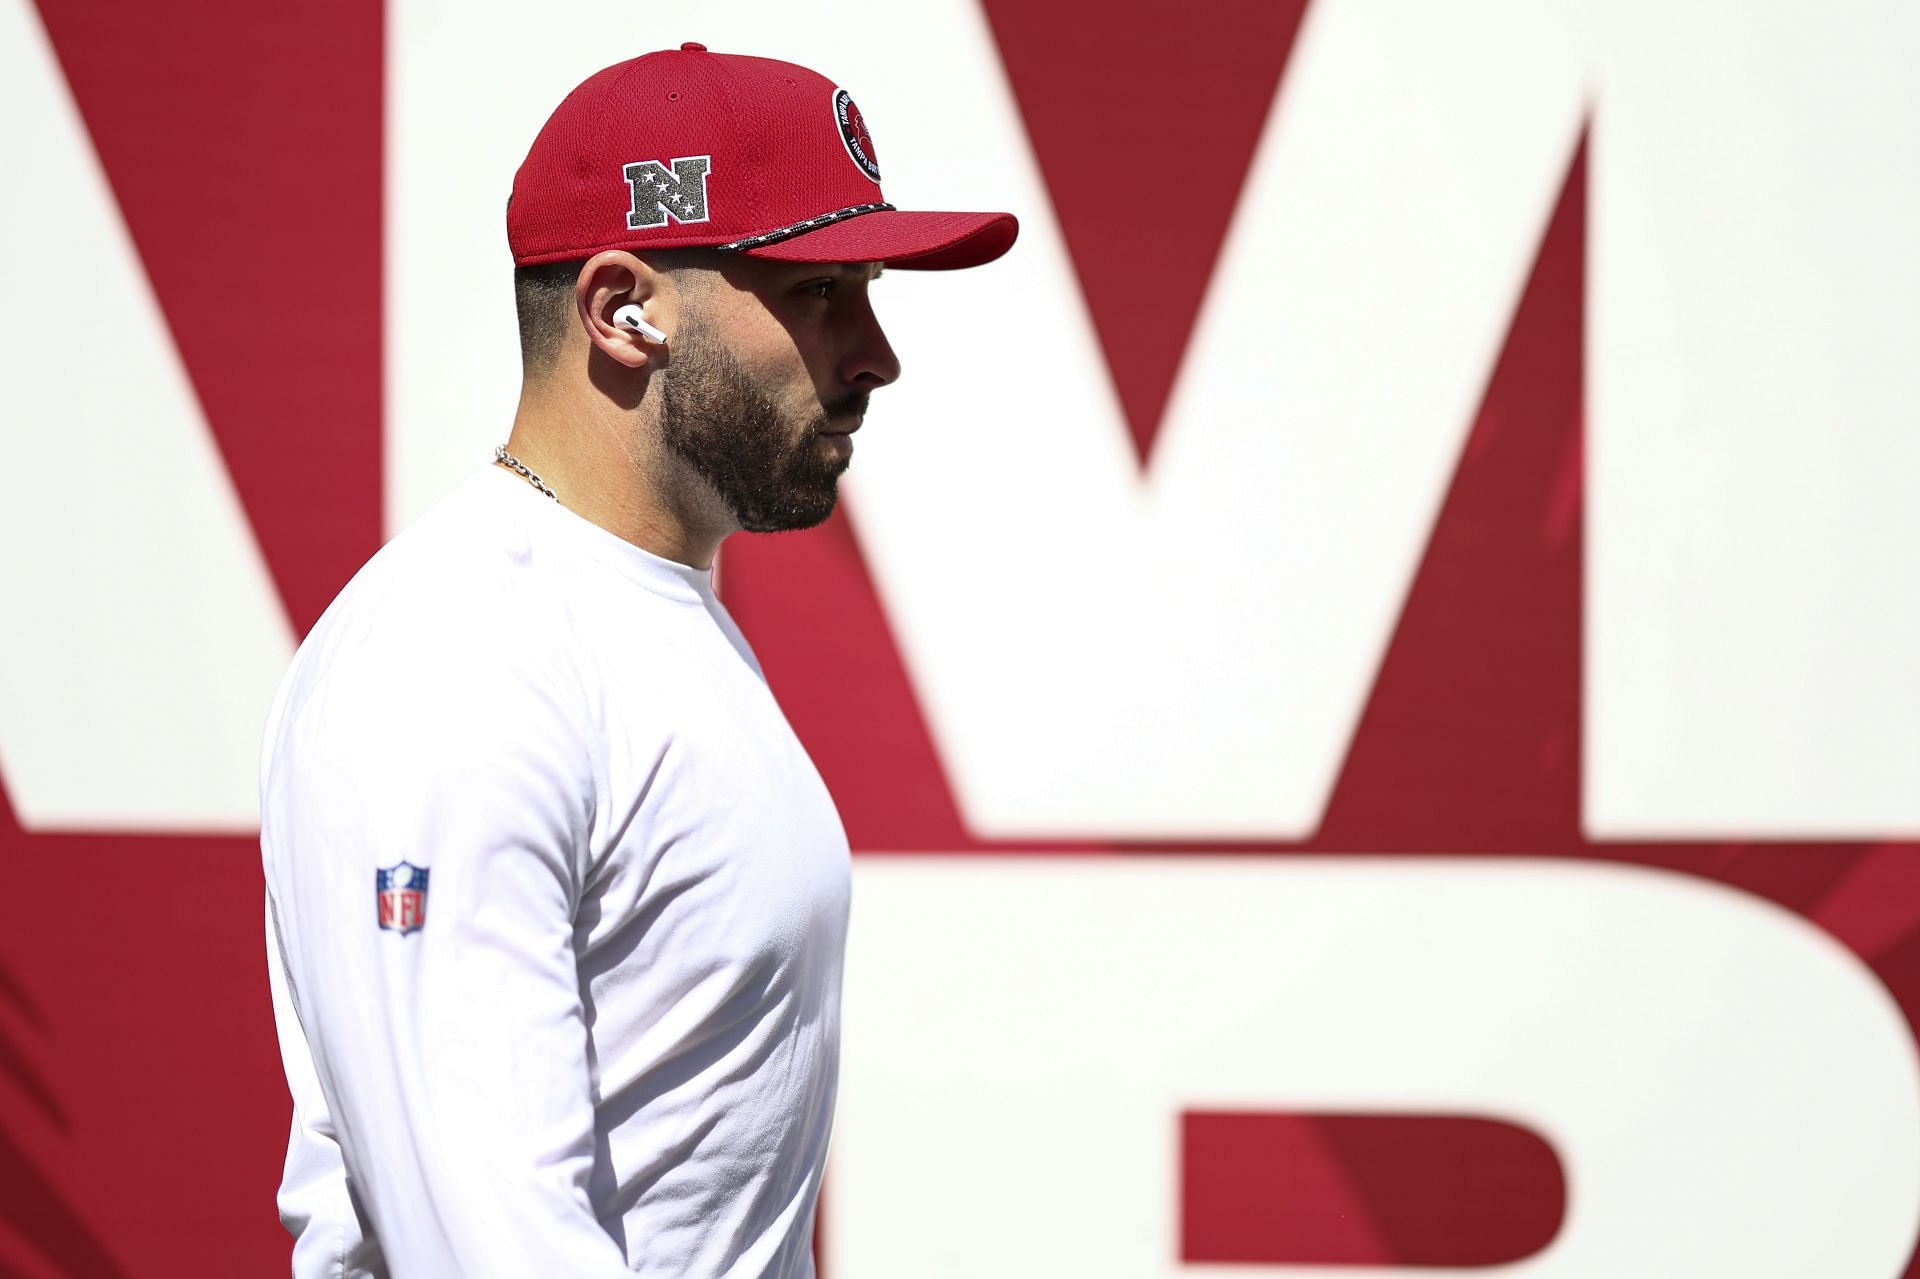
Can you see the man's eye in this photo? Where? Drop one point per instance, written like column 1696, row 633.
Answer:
column 820, row 288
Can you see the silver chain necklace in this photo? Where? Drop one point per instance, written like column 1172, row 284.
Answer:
column 500, row 454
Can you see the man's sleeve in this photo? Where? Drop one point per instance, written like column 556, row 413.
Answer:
column 446, row 1029
column 316, row 1205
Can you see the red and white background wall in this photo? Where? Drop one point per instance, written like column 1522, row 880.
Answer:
column 1371, row 666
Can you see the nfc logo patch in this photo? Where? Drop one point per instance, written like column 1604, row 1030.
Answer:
column 660, row 193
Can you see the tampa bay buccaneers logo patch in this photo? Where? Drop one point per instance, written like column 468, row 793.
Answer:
column 853, row 132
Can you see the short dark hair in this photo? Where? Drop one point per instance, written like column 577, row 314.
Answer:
column 543, row 299
column 543, row 304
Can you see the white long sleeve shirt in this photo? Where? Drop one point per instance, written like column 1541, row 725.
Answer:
column 604, row 1039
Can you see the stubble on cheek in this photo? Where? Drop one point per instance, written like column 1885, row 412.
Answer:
column 769, row 466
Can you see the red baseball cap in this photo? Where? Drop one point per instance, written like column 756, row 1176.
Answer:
column 684, row 147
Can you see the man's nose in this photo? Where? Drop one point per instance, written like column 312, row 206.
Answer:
column 870, row 362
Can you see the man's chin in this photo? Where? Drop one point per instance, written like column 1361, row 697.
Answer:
column 792, row 516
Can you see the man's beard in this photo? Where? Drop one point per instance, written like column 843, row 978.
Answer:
column 772, row 472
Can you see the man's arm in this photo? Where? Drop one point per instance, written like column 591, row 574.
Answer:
column 453, row 1057
column 316, row 1207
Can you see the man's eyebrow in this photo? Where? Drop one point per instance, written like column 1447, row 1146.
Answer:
column 858, row 270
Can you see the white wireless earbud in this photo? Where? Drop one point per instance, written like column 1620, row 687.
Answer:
column 631, row 316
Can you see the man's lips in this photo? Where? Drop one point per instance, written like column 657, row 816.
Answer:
column 843, row 419
column 841, row 438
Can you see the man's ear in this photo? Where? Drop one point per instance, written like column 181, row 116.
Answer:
column 611, row 280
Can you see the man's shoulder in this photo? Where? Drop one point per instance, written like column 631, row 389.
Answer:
column 458, row 592
column 469, row 556
column 440, row 670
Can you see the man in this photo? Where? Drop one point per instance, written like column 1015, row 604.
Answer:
column 557, row 903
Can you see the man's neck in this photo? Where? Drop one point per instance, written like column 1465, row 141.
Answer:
column 604, row 470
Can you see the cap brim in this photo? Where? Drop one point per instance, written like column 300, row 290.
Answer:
column 912, row 240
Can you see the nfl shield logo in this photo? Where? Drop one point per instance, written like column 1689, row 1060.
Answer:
column 401, row 892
